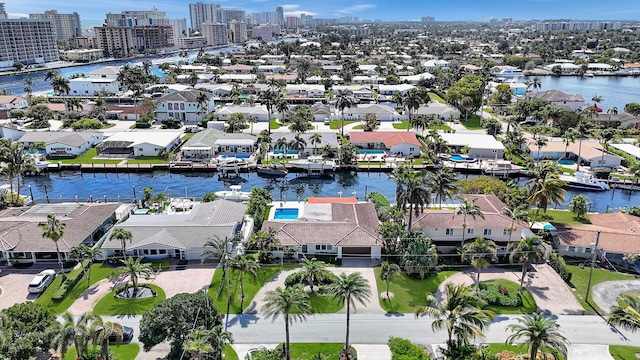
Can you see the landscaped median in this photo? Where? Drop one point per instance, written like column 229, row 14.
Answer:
column 112, row 305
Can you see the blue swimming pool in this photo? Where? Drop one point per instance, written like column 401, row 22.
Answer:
column 371, row 152
column 460, row 158
column 237, row 156
column 285, row 214
column 566, row 162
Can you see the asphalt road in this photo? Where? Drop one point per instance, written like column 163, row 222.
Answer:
column 377, row 328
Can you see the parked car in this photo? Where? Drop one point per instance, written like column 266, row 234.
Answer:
column 127, row 336
column 41, row 281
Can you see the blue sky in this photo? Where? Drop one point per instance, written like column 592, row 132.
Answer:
column 380, row 9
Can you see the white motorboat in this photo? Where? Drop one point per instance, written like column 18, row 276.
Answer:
column 233, row 164
column 583, row 181
column 234, row 194
column 273, row 169
column 509, row 74
column 501, row 168
column 314, row 163
column 40, row 162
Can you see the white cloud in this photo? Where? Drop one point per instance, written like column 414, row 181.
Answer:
column 17, row 15
column 297, row 13
column 356, row 8
column 290, row 6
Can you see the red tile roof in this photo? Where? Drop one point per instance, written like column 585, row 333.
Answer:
column 620, row 233
column 389, row 138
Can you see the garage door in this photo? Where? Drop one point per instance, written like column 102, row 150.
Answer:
column 356, row 251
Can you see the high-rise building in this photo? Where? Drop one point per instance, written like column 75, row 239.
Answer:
column 292, row 22
column 138, row 18
column 65, row 26
column 216, row 33
column 279, row 15
column 265, row 32
column 3, row 12
column 267, row 17
column 29, row 41
column 227, row 15
column 180, row 28
column 200, row 13
column 237, row 31
column 152, row 37
column 115, row 41
column 428, row 19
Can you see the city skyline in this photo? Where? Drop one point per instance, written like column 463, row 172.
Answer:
column 402, row 9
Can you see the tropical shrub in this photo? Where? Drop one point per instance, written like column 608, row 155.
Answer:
column 558, row 264
column 403, row 349
column 498, row 295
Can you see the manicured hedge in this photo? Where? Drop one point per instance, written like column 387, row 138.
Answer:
column 557, row 263
column 403, row 349
column 72, row 279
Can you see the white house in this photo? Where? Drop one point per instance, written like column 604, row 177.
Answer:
column 326, row 138
column 271, row 68
column 105, row 72
column 89, row 86
column 184, row 106
column 304, row 91
column 207, row 144
column 381, row 112
column 63, row 143
column 385, row 92
column 439, row 111
column 479, row 145
column 591, row 153
column 404, row 143
column 356, row 91
column 218, row 90
column 7, row 131
column 240, row 78
column 435, row 63
column 258, row 111
column 10, row 102
column 139, row 143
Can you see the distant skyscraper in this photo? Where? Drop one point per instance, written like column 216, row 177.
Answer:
column 237, row 31
column 29, row 41
column 215, row 33
column 65, row 26
column 200, row 13
column 428, row 19
column 179, row 28
column 227, row 15
column 3, row 13
column 279, row 15
column 138, row 18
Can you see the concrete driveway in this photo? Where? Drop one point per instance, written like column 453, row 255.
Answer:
column 14, row 287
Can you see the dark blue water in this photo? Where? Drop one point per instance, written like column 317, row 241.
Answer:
column 69, row 184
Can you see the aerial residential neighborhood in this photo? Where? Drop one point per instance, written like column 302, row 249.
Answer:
column 323, row 180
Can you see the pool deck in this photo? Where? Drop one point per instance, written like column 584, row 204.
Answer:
column 285, row 205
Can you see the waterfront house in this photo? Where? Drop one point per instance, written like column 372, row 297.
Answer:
column 591, row 153
column 139, row 143
column 402, row 143
column 63, row 143
column 9, row 131
column 209, row 143
column 339, row 227
column 477, row 145
column 184, row 106
column 21, row 237
column 326, row 138
column 258, row 111
column 381, row 112
column 614, row 121
column 386, row 92
column 432, row 64
column 446, row 230
column 10, row 102
column 438, row 111
column 238, row 78
column 218, row 90
column 90, row 86
column 304, row 91
column 618, row 237
column 558, row 98
column 182, row 232
column 359, row 92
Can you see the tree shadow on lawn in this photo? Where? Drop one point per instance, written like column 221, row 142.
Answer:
column 131, row 306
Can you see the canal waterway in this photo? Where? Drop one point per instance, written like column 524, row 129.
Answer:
column 66, row 185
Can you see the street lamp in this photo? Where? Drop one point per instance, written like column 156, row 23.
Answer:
column 594, row 248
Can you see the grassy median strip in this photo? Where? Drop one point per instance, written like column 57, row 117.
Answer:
column 110, row 305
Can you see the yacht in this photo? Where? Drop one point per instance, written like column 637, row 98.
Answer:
column 501, row 168
column 232, row 164
column 314, row 163
column 234, row 194
column 274, row 169
column 40, row 162
column 583, row 181
column 509, row 74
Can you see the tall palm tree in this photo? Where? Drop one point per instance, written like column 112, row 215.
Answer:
column 73, row 332
column 28, row 86
column 51, row 74
column 467, row 208
column 61, row 87
column 136, row 268
column 269, row 99
column 245, row 265
column 83, row 252
column 15, row 163
column 611, row 111
column 343, row 101
column 540, row 143
column 387, row 271
column 480, row 252
column 123, row 236
column 282, row 106
column 596, row 99
column 202, row 100
column 349, row 289
column 292, row 303
column 460, row 312
column 54, row 230
column 582, row 130
column 282, row 144
column 298, row 143
column 546, row 187
column 101, row 331
column 526, row 251
column 519, row 213
column 538, row 331
column 412, row 190
column 442, row 183
column 313, row 271
column 536, row 84
column 568, row 137
column 315, row 139
column 411, row 101
column 627, row 314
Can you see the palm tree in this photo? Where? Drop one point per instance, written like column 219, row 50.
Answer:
column 412, row 190
column 51, row 74
column 442, row 183
column 313, row 271
column 15, row 163
column 582, row 130
column 219, row 248
column 536, row 83
column 202, row 100
column 207, row 343
column 460, row 313
column 136, row 268
column 343, row 101
column 568, row 137
column 526, row 251
column 315, row 139
column 596, row 99
column 123, row 236
column 298, row 143
column 519, row 213
column 101, row 331
column 538, row 331
column 611, row 111
column 282, row 144
column 546, row 188
column 74, row 332
column 269, row 99
column 83, row 252
column 248, row 265
column 467, row 208
column 387, row 271
column 627, row 314
column 61, row 87
column 53, row 229
column 540, row 143
column 479, row 251
column 292, row 303
column 410, row 102
column 349, row 289
column 282, row 106
column 28, row 86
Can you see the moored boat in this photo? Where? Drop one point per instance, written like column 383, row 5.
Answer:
column 583, row 181
column 274, row 169
column 314, row 163
column 234, row 194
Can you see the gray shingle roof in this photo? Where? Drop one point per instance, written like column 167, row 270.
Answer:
column 71, row 138
column 186, row 96
column 210, row 136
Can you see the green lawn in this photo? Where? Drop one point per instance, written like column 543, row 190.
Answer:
column 580, row 278
column 567, row 170
column 472, row 123
column 633, row 294
column 150, row 159
column 229, row 353
column 358, row 127
column 274, row 124
column 251, row 287
column 497, row 348
column 323, row 304
column 408, row 292
column 434, row 96
column 109, row 305
column 98, row 272
column 620, row 352
column 304, row 351
column 402, row 125
column 86, row 158
column 528, row 303
column 561, row 217
column 335, row 124
column 120, row 352
column 186, row 137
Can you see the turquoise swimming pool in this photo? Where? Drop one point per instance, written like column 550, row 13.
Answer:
column 566, row 162
column 460, row 158
column 371, row 152
column 285, row 214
